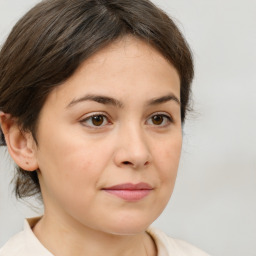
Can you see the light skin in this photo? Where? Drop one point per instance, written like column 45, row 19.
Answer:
column 116, row 120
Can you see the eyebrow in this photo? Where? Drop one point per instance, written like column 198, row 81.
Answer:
column 163, row 99
column 116, row 103
column 98, row 98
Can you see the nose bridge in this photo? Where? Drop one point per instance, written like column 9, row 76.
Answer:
column 133, row 148
column 136, row 140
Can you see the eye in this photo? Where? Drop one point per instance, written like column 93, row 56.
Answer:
column 96, row 120
column 159, row 119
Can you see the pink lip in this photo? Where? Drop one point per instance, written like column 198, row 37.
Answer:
column 129, row 191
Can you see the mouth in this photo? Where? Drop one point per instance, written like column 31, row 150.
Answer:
column 129, row 191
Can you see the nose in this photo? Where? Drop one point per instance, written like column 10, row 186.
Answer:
column 132, row 149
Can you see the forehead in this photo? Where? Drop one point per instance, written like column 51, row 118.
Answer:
column 128, row 64
column 123, row 51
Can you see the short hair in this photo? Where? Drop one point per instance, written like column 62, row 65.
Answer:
column 50, row 42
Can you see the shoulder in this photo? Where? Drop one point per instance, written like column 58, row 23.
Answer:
column 169, row 246
column 15, row 246
column 25, row 243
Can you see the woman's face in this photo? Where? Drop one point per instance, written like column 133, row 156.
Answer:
column 109, row 140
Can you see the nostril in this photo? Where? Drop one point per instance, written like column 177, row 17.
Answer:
column 130, row 163
column 126, row 162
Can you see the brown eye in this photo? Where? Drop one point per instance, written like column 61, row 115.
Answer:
column 157, row 119
column 161, row 120
column 97, row 120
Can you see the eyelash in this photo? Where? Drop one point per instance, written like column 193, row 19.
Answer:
column 90, row 118
column 167, row 119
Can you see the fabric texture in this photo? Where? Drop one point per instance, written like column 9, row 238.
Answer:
column 26, row 243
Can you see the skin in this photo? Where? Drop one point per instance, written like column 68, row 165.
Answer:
column 78, row 159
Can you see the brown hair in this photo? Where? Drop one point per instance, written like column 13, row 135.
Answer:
column 49, row 43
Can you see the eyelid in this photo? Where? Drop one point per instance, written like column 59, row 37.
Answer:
column 92, row 114
column 165, row 115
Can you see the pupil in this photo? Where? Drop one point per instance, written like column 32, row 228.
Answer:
column 157, row 120
column 97, row 120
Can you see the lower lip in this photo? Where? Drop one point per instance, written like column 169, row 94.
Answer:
column 129, row 195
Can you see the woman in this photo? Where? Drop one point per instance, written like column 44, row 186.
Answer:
column 93, row 98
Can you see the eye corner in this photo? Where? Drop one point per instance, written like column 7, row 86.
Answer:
column 95, row 121
column 160, row 120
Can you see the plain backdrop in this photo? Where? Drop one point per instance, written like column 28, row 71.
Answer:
column 214, row 202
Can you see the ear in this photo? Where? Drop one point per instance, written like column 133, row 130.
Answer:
column 21, row 145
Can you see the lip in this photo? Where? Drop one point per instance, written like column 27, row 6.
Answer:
column 129, row 191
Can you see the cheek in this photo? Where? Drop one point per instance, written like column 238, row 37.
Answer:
column 167, row 156
column 73, row 163
column 70, row 174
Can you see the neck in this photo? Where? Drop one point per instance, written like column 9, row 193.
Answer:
column 66, row 240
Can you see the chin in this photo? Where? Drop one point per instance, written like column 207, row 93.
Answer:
column 130, row 226
column 128, row 231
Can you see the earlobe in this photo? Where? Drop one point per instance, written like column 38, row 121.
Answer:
column 21, row 145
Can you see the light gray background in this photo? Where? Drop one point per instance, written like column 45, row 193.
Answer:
column 213, row 205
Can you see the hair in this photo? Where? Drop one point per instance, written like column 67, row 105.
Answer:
column 50, row 42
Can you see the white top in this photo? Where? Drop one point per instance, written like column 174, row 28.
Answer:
column 25, row 243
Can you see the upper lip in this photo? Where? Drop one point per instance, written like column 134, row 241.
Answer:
column 130, row 186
